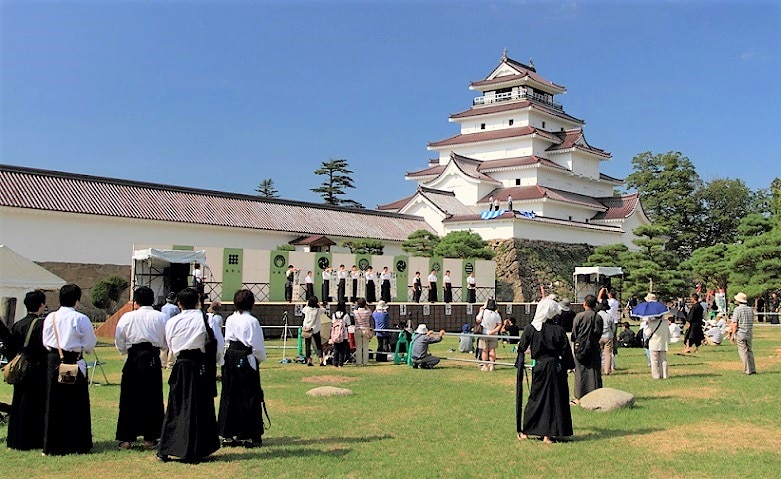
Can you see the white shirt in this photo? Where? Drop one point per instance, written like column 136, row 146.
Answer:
column 144, row 325
column 326, row 276
column 185, row 331
column 715, row 334
column 312, row 318
column 489, row 320
column 355, row 274
column 446, row 279
column 614, row 306
column 661, row 336
column 470, row 281
column 215, row 321
column 341, row 274
column 170, row 310
column 245, row 328
column 74, row 329
column 370, row 276
column 675, row 332
column 308, row 280
column 198, row 275
column 432, row 278
column 385, row 276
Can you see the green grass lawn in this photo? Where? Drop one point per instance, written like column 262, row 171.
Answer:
column 707, row 420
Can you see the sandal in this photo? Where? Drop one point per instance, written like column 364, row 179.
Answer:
column 522, row 436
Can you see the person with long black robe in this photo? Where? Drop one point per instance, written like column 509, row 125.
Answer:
column 140, row 335
column 385, row 286
column 189, row 428
column 371, row 292
column 432, row 287
column 25, row 426
column 586, row 331
column 354, row 276
column 341, row 286
column 547, row 412
column 471, row 288
column 240, row 417
column 417, row 287
column 67, row 422
column 326, row 288
column 447, row 291
column 695, row 334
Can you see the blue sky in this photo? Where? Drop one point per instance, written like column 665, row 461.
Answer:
column 221, row 95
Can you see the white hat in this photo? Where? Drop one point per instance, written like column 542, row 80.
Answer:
column 382, row 306
column 650, row 297
column 422, row 329
column 741, row 298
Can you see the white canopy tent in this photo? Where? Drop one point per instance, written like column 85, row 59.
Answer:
column 20, row 276
column 152, row 267
column 588, row 279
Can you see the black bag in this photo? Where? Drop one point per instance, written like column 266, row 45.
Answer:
column 581, row 349
column 646, row 341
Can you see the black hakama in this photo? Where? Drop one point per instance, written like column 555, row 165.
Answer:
column 447, row 294
column 67, row 423
column 141, row 395
column 587, row 329
column 371, row 293
column 310, row 290
column 385, row 290
column 547, row 410
column 25, row 425
column 326, row 291
column 241, row 401
column 432, row 292
column 341, row 290
column 190, row 427
column 471, row 295
column 354, row 296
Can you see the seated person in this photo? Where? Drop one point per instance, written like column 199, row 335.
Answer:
column 626, row 338
column 420, row 341
column 675, row 330
column 713, row 335
column 465, row 343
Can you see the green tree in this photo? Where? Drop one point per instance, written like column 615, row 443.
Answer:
column 463, row 244
column 725, row 201
column 420, row 243
column 285, row 247
column 106, row 293
column 710, row 266
column 753, row 225
column 266, row 189
column 756, row 264
column 775, row 198
column 652, row 268
column 667, row 184
column 608, row 255
column 337, row 180
column 364, row 246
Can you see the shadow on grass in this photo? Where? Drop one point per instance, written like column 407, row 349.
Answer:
column 276, row 453
column 651, row 398
column 699, row 375
column 601, row 433
column 297, row 441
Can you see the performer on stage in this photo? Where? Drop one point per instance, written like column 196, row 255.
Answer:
column 289, row 278
column 471, row 288
column 190, row 427
column 326, row 289
column 354, row 275
column 240, row 417
column 447, row 292
column 310, row 285
column 341, row 289
column 385, row 288
column 432, row 286
column 140, row 335
column 67, row 423
column 417, row 287
column 371, row 292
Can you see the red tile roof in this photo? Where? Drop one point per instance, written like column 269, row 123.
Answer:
column 313, row 240
column 618, row 207
column 571, row 138
column 396, row 205
column 510, row 106
column 430, row 171
column 489, row 165
column 91, row 195
column 524, row 71
column 489, row 135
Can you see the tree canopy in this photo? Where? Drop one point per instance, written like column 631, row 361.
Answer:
column 420, row 243
column 364, row 246
column 266, row 189
column 463, row 244
column 337, row 180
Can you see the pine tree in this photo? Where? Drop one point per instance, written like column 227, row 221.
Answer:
column 266, row 189
column 336, row 182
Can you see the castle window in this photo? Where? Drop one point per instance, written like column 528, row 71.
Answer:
column 482, row 126
column 543, row 124
column 517, row 182
column 511, row 122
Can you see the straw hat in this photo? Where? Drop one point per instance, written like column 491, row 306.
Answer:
column 650, row 297
column 741, row 298
column 422, row 329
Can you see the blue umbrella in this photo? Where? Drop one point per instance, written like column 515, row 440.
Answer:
column 650, row 308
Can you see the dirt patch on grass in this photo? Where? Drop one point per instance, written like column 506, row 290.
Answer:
column 720, row 438
column 699, row 392
column 328, row 379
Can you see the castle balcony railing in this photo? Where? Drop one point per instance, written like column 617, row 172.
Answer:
column 500, row 97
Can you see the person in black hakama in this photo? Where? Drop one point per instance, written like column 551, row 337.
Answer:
column 290, row 276
column 471, row 289
column 190, row 426
column 447, row 292
column 140, row 335
column 586, row 331
column 417, row 287
column 695, row 335
column 371, row 292
column 240, row 418
column 326, row 288
column 309, row 281
column 385, row 286
column 432, row 287
column 341, row 287
column 67, row 424
column 547, row 412
column 354, row 276
column 25, row 427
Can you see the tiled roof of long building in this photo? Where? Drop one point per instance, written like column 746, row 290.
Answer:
column 31, row 188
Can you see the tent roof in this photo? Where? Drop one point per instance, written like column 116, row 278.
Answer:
column 20, row 272
column 170, row 256
column 600, row 270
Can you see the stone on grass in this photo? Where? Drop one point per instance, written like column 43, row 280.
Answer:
column 329, row 391
column 606, row 399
